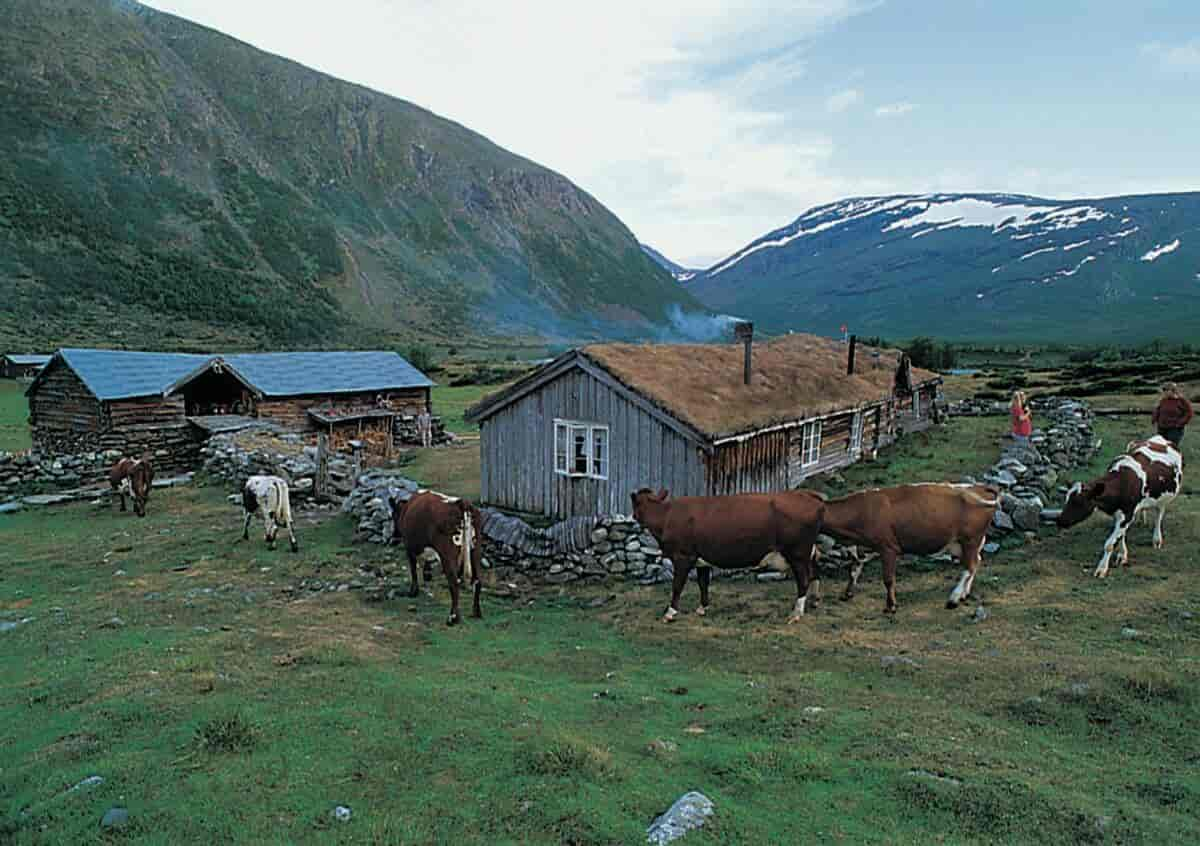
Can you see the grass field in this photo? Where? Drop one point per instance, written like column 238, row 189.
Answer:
column 170, row 660
column 451, row 403
column 14, row 409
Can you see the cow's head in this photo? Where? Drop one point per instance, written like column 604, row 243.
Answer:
column 397, row 506
column 1080, row 503
column 140, row 479
column 646, row 501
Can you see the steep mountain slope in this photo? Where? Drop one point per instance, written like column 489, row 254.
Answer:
column 983, row 266
column 681, row 273
column 158, row 178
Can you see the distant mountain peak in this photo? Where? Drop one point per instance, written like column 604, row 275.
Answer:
column 681, row 273
column 988, row 265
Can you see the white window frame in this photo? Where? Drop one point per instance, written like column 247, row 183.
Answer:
column 857, row 424
column 565, row 433
column 810, row 444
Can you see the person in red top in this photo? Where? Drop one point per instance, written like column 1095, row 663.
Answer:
column 1022, row 420
column 1172, row 414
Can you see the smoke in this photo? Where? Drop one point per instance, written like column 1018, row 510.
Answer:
column 698, row 326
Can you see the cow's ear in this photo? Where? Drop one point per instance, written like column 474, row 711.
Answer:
column 663, row 493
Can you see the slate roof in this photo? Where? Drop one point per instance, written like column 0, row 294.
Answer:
column 291, row 374
column 25, row 360
column 123, row 374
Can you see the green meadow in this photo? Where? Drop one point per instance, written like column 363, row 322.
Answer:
column 222, row 701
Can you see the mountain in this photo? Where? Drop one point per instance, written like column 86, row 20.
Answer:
column 974, row 266
column 162, row 184
column 681, row 273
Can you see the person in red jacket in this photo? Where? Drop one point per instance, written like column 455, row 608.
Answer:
column 1172, row 414
column 1022, row 420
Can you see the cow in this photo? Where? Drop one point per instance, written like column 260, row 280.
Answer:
column 918, row 519
column 731, row 532
column 1149, row 474
column 132, row 477
column 267, row 496
column 449, row 526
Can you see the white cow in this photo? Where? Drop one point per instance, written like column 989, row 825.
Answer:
column 267, row 496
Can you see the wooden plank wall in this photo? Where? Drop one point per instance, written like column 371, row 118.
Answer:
column 517, row 452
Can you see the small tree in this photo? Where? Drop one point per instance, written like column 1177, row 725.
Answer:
column 421, row 357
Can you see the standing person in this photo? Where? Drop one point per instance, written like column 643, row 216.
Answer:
column 1022, row 420
column 1172, row 414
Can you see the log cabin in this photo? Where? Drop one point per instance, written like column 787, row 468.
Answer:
column 577, row 436
column 166, row 404
column 18, row 366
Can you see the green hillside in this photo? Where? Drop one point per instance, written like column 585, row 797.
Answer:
column 168, row 183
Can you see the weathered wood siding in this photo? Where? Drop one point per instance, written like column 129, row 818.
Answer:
column 67, row 417
column 292, row 412
column 517, row 452
column 758, row 464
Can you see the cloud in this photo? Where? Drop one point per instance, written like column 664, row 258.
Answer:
column 1175, row 58
column 689, row 122
column 842, row 100
column 894, row 109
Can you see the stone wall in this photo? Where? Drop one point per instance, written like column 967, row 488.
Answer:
column 234, row 457
column 574, row 549
column 22, row 474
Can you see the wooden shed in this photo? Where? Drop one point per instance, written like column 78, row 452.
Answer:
column 166, row 404
column 21, row 366
column 580, row 434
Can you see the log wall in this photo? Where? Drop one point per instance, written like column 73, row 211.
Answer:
column 292, row 412
column 66, row 416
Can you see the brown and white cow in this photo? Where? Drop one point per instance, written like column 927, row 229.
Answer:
column 449, row 526
column 1148, row 475
column 731, row 532
column 267, row 496
column 920, row 519
column 132, row 478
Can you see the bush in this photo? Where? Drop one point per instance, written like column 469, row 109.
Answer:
column 420, row 357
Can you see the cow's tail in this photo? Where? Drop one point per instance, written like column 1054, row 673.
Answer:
column 467, row 546
column 285, row 504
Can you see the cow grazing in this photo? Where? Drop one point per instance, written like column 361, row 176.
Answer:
column 920, row 519
column 132, row 478
column 449, row 526
column 1148, row 475
column 732, row 532
column 267, row 496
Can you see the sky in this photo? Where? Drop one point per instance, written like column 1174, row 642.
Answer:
column 705, row 124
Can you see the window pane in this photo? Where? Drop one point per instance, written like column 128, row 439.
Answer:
column 600, row 452
column 560, row 447
column 579, row 463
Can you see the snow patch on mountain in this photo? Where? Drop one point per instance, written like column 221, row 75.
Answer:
column 1036, row 252
column 1161, row 250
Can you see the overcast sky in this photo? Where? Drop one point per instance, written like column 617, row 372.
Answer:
column 705, row 124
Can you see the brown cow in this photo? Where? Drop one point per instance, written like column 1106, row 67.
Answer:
column 1148, row 475
column 731, row 532
column 920, row 519
column 129, row 477
column 449, row 526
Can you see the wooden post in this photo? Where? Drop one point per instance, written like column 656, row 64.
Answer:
column 321, row 481
column 850, row 356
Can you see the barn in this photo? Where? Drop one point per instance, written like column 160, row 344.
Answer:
column 166, row 404
column 578, row 435
column 21, row 366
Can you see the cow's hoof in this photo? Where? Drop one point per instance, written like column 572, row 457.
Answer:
column 413, row 593
column 951, row 603
column 796, row 618
column 295, row 548
column 453, row 621
column 670, row 615
column 701, row 611
column 1100, row 574
column 846, row 597
column 889, row 609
